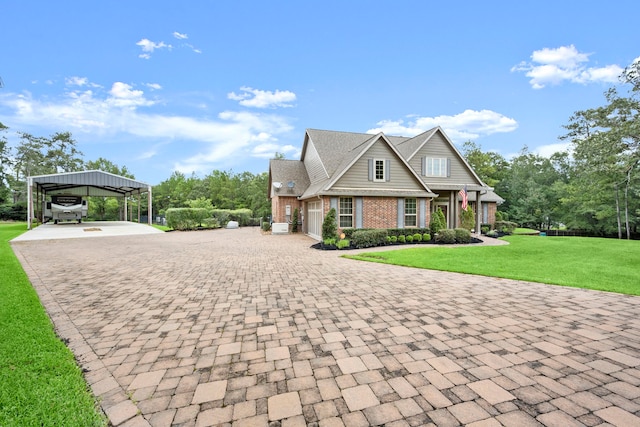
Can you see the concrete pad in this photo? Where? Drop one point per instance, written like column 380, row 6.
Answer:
column 73, row 230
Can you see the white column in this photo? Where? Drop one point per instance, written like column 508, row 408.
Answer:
column 149, row 210
column 126, row 210
column 29, row 201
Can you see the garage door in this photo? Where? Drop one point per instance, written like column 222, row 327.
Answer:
column 314, row 212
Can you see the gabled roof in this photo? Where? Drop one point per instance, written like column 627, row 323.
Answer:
column 416, row 143
column 285, row 171
column 361, row 149
column 338, row 151
column 88, row 183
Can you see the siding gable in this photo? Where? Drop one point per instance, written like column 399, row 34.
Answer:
column 360, row 175
column 438, row 147
column 313, row 163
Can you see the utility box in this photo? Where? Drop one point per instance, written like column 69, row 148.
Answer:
column 280, row 228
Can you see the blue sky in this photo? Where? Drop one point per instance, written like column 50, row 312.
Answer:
column 160, row 86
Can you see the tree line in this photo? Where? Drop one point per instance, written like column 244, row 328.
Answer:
column 594, row 187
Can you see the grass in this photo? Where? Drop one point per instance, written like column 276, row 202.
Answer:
column 40, row 382
column 582, row 262
column 520, row 230
column 161, row 227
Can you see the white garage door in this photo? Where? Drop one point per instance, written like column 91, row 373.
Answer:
column 314, row 212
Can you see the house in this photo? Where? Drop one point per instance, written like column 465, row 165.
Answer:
column 376, row 181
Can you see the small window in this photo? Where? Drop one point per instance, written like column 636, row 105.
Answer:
column 379, row 175
column 410, row 213
column 436, row 167
column 346, row 212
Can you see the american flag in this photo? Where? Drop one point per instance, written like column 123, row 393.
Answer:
column 465, row 199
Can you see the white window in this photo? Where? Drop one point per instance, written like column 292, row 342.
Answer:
column 435, row 167
column 346, row 212
column 410, row 211
column 378, row 170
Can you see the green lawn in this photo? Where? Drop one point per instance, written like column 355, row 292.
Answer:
column 40, row 382
column 582, row 262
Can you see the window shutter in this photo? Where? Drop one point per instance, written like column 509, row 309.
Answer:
column 448, row 168
column 370, row 169
column 422, row 212
column 359, row 212
column 424, row 166
column 387, row 170
column 400, row 213
column 334, row 204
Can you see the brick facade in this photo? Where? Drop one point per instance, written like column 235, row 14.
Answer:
column 279, row 208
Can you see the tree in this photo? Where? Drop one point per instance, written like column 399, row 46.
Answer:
column 438, row 222
column 5, row 164
column 107, row 208
column 468, row 219
column 37, row 155
column 330, row 226
column 491, row 167
column 606, row 146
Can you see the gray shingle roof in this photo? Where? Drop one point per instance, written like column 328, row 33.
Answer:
column 285, row 171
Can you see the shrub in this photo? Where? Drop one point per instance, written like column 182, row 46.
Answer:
column 294, row 221
column 438, row 221
column 506, row 227
column 329, row 226
column 344, row 243
column 388, row 239
column 426, row 237
column 394, row 239
column 462, row 235
column 417, row 237
column 369, row 238
column 446, row 235
column 210, row 223
column 467, row 219
column 409, row 238
column 493, row 233
column 266, row 226
column 329, row 242
column 186, row 218
column 348, row 232
column 484, row 228
column 243, row 216
column 401, row 239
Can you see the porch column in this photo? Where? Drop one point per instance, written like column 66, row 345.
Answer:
column 453, row 200
column 478, row 212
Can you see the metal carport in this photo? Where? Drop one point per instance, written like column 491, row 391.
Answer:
column 84, row 183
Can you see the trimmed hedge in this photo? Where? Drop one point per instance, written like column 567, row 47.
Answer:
column 368, row 238
column 463, row 235
column 242, row 216
column 186, row 218
column 507, row 227
column 446, row 235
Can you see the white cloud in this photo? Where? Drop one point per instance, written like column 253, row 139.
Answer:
column 79, row 81
column 124, row 113
column 263, row 99
column 549, row 149
column 565, row 63
column 148, row 47
column 180, row 36
column 153, row 86
column 267, row 150
column 470, row 124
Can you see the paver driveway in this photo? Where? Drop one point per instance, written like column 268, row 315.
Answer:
column 233, row 327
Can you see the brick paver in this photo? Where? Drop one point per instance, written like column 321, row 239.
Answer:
column 237, row 328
